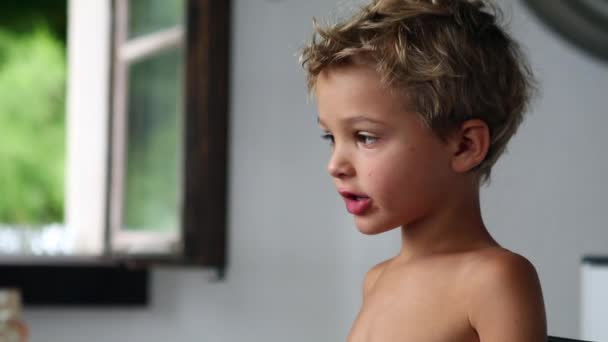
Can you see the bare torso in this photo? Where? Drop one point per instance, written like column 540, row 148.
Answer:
column 421, row 301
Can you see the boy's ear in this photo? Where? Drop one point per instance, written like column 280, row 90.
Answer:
column 469, row 145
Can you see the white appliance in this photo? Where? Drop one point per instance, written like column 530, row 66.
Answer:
column 594, row 298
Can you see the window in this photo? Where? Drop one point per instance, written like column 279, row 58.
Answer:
column 146, row 133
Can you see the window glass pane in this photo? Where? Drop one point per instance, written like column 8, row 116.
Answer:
column 148, row 16
column 154, row 160
column 32, row 125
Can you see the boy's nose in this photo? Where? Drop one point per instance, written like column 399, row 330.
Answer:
column 339, row 166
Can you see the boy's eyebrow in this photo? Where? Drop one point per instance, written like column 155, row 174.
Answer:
column 354, row 119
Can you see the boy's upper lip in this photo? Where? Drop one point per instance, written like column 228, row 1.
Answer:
column 351, row 194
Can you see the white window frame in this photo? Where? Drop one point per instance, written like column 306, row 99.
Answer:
column 88, row 108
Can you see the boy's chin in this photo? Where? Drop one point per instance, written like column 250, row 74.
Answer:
column 371, row 228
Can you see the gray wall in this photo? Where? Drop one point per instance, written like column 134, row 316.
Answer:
column 548, row 197
column 296, row 259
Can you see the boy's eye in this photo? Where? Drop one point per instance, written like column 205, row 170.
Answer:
column 329, row 137
column 366, row 138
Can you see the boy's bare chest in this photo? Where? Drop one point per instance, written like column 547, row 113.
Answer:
column 414, row 310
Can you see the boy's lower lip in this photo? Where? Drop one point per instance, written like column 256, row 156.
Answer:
column 357, row 206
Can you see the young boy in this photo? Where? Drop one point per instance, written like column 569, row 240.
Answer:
column 419, row 99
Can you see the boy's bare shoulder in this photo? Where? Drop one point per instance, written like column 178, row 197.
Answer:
column 497, row 259
column 498, row 271
column 505, row 297
column 496, row 266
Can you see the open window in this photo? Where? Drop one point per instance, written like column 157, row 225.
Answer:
column 169, row 103
column 146, row 137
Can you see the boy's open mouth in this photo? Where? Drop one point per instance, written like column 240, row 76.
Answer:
column 356, row 204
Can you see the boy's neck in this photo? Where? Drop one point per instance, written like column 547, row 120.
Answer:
column 455, row 227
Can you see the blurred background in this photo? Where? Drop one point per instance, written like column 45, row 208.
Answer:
column 296, row 261
column 33, row 86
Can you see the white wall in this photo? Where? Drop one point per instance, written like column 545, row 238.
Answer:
column 297, row 260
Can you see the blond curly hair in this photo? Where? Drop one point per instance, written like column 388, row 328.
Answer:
column 453, row 55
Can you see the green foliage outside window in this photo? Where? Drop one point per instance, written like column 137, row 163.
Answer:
column 32, row 126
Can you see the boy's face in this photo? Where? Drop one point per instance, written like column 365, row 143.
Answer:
column 391, row 169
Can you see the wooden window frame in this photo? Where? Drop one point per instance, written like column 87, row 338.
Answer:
column 206, row 155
